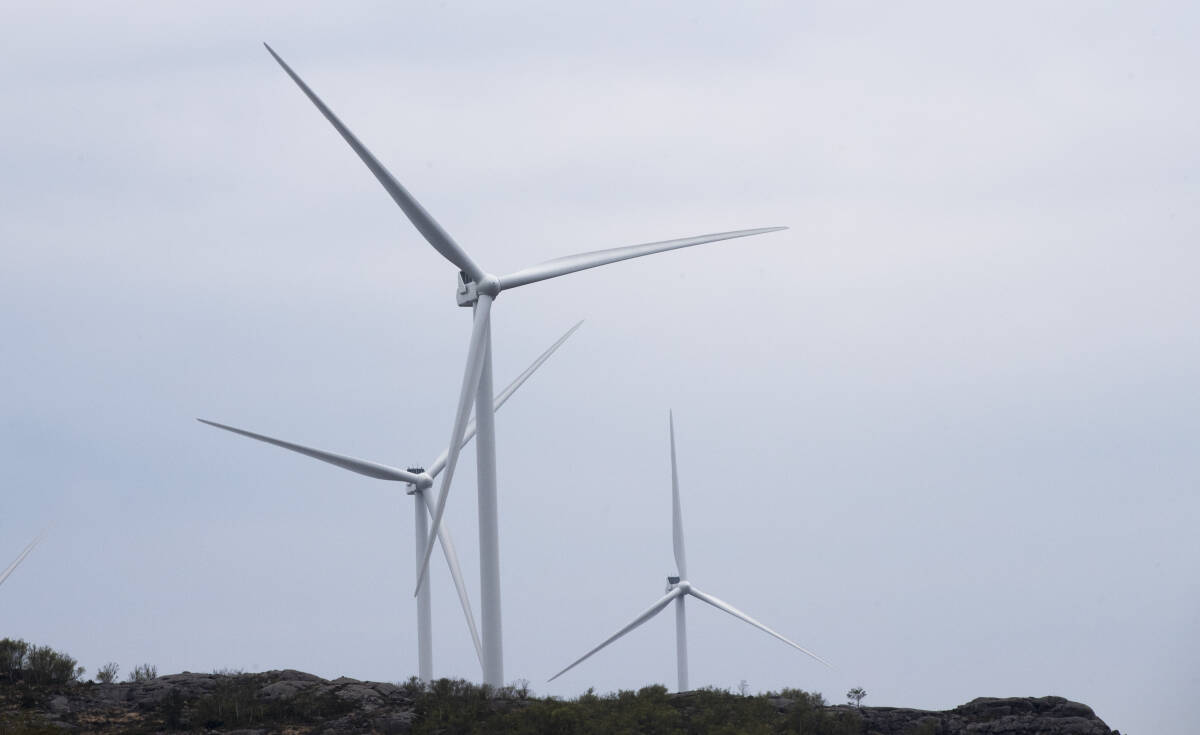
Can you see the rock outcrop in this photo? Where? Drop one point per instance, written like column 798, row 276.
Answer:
column 988, row 716
column 225, row 703
column 297, row 703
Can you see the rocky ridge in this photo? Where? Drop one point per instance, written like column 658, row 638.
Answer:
column 294, row 702
column 989, row 716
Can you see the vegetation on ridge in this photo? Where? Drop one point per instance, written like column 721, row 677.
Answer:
column 459, row 707
column 41, row 691
column 40, row 665
column 41, row 694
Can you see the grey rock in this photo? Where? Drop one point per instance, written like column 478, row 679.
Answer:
column 293, row 675
column 364, row 696
column 987, row 716
column 150, row 693
column 112, row 692
column 284, row 690
column 351, row 724
column 346, row 680
column 394, row 723
column 387, row 690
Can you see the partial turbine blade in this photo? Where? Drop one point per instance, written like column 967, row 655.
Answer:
column 451, row 555
column 21, row 557
column 721, row 605
column 583, row 261
column 466, row 397
column 676, row 510
column 440, row 463
column 425, row 224
column 511, row 388
column 653, row 610
column 361, row 466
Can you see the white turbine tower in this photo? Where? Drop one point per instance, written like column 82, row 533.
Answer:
column 678, row 588
column 477, row 288
column 419, row 480
column 21, row 557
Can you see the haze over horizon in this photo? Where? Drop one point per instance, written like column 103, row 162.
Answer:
column 942, row 431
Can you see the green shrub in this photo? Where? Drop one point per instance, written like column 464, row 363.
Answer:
column 44, row 665
column 107, row 673
column 803, row 698
column 143, row 672
column 413, row 688
column 12, row 658
column 40, row 665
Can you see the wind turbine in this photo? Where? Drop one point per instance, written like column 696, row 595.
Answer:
column 678, row 588
column 419, row 480
column 478, row 289
column 21, row 557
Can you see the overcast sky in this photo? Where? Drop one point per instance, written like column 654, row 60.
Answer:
column 943, row 431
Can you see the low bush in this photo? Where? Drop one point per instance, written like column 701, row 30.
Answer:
column 143, row 672
column 40, row 665
column 107, row 673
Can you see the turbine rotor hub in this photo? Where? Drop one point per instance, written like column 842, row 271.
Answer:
column 489, row 285
column 424, row 481
column 678, row 583
column 469, row 291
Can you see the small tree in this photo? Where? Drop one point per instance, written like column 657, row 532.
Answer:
column 143, row 672
column 12, row 657
column 44, row 665
column 743, row 688
column 37, row 664
column 856, row 695
column 107, row 673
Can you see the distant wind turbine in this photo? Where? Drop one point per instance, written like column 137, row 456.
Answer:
column 419, row 480
column 478, row 289
column 678, row 588
column 21, row 557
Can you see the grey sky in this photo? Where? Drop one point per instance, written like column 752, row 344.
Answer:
column 943, row 431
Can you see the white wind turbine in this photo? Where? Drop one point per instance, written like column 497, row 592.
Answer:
column 678, row 588
column 419, row 480
column 478, row 289
column 21, row 557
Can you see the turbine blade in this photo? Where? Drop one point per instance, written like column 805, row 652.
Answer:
column 422, row 220
column 440, row 463
column 21, row 557
column 466, row 398
column 721, row 605
column 361, row 466
column 650, row 612
column 512, row 387
column 456, row 574
column 676, row 510
column 583, row 261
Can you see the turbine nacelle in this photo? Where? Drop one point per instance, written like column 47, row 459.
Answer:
column 675, row 583
column 424, row 481
column 468, row 292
